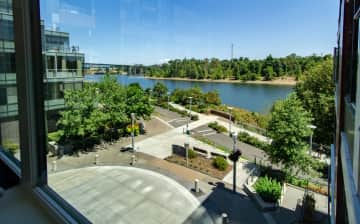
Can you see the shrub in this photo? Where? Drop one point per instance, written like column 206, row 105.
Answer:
column 136, row 129
column 217, row 127
column 194, row 117
column 55, row 136
column 321, row 167
column 245, row 137
column 191, row 154
column 11, row 147
column 220, row 163
column 268, row 189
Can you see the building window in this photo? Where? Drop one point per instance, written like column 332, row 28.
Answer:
column 71, row 62
column 3, row 98
column 7, row 63
column 6, row 30
column 50, row 62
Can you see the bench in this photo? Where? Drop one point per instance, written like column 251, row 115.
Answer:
column 215, row 154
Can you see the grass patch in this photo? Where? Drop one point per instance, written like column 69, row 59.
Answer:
column 209, row 142
column 217, row 127
column 246, row 138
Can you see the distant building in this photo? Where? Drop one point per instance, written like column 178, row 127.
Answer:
column 63, row 70
column 345, row 152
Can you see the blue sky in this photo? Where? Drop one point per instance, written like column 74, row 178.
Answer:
column 154, row 31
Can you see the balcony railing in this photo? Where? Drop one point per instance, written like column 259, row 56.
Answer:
column 9, row 110
column 7, row 78
column 63, row 74
column 54, row 104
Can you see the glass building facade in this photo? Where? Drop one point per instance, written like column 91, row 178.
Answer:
column 63, row 70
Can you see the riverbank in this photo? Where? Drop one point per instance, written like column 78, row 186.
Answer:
column 286, row 81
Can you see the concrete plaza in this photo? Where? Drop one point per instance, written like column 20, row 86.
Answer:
column 116, row 194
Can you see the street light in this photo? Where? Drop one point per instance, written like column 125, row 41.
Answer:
column 234, row 136
column 132, row 132
column 312, row 127
column 187, row 125
column 168, row 95
column 230, row 109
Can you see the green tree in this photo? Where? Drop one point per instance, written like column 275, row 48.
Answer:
column 160, row 90
column 316, row 91
column 288, row 128
column 78, row 120
column 268, row 73
column 137, row 102
column 111, row 108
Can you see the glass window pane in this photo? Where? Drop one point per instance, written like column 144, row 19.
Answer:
column 9, row 125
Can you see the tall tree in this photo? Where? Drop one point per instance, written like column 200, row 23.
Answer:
column 289, row 130
column 159, row 90
column 316, row 91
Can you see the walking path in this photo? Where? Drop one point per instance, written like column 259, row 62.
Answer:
column 160, row 146
column 213, row 118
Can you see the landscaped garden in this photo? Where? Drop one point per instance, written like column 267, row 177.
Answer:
column 216, row 167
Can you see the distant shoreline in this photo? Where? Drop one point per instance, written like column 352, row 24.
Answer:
column 288, row 81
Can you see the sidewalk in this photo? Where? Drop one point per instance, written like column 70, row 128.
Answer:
column 211, row 118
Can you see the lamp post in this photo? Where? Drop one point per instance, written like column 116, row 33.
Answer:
column 132, row 132
column 187, row 125
column 230, row 109
column 168, row 95
column 234, row 136
column 312, row 127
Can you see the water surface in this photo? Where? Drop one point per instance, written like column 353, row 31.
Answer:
column 253, row 97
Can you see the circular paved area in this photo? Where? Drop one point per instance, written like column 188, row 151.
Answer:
column 115, row 194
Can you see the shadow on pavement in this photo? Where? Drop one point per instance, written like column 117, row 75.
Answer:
column 238, row 207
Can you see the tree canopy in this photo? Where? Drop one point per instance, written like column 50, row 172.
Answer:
column 316, row 92
column 160, row 90
column 101, row 110
column 239, row 68
column 290, row 131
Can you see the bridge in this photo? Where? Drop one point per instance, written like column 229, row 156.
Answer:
column 100, row 68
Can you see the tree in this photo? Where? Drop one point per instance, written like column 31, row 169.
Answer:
column 159, row 90
column 240, row 69
column 101, row 110
column 137, row 102
column 268, row 73
column 212, row 98
column 289, row 130
column 316, row 91
column 78, row 120
column 110, row 102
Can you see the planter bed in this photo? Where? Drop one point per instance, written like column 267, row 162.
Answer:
column 264, row 206
column 200, row 164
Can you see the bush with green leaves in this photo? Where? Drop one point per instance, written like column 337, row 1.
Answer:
column 220, row 163
column 55, row 136
column 217, row 127
column 194, row 117
column 135, row 128
column 268, row 189
column 11, row 146
column 321, row 167
column 191, row 154
column 246, row 138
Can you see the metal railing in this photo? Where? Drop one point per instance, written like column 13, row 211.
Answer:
column 64, row 73
column 7, row 78
column 8, row 110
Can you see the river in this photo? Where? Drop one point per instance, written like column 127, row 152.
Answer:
column 253, row 97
